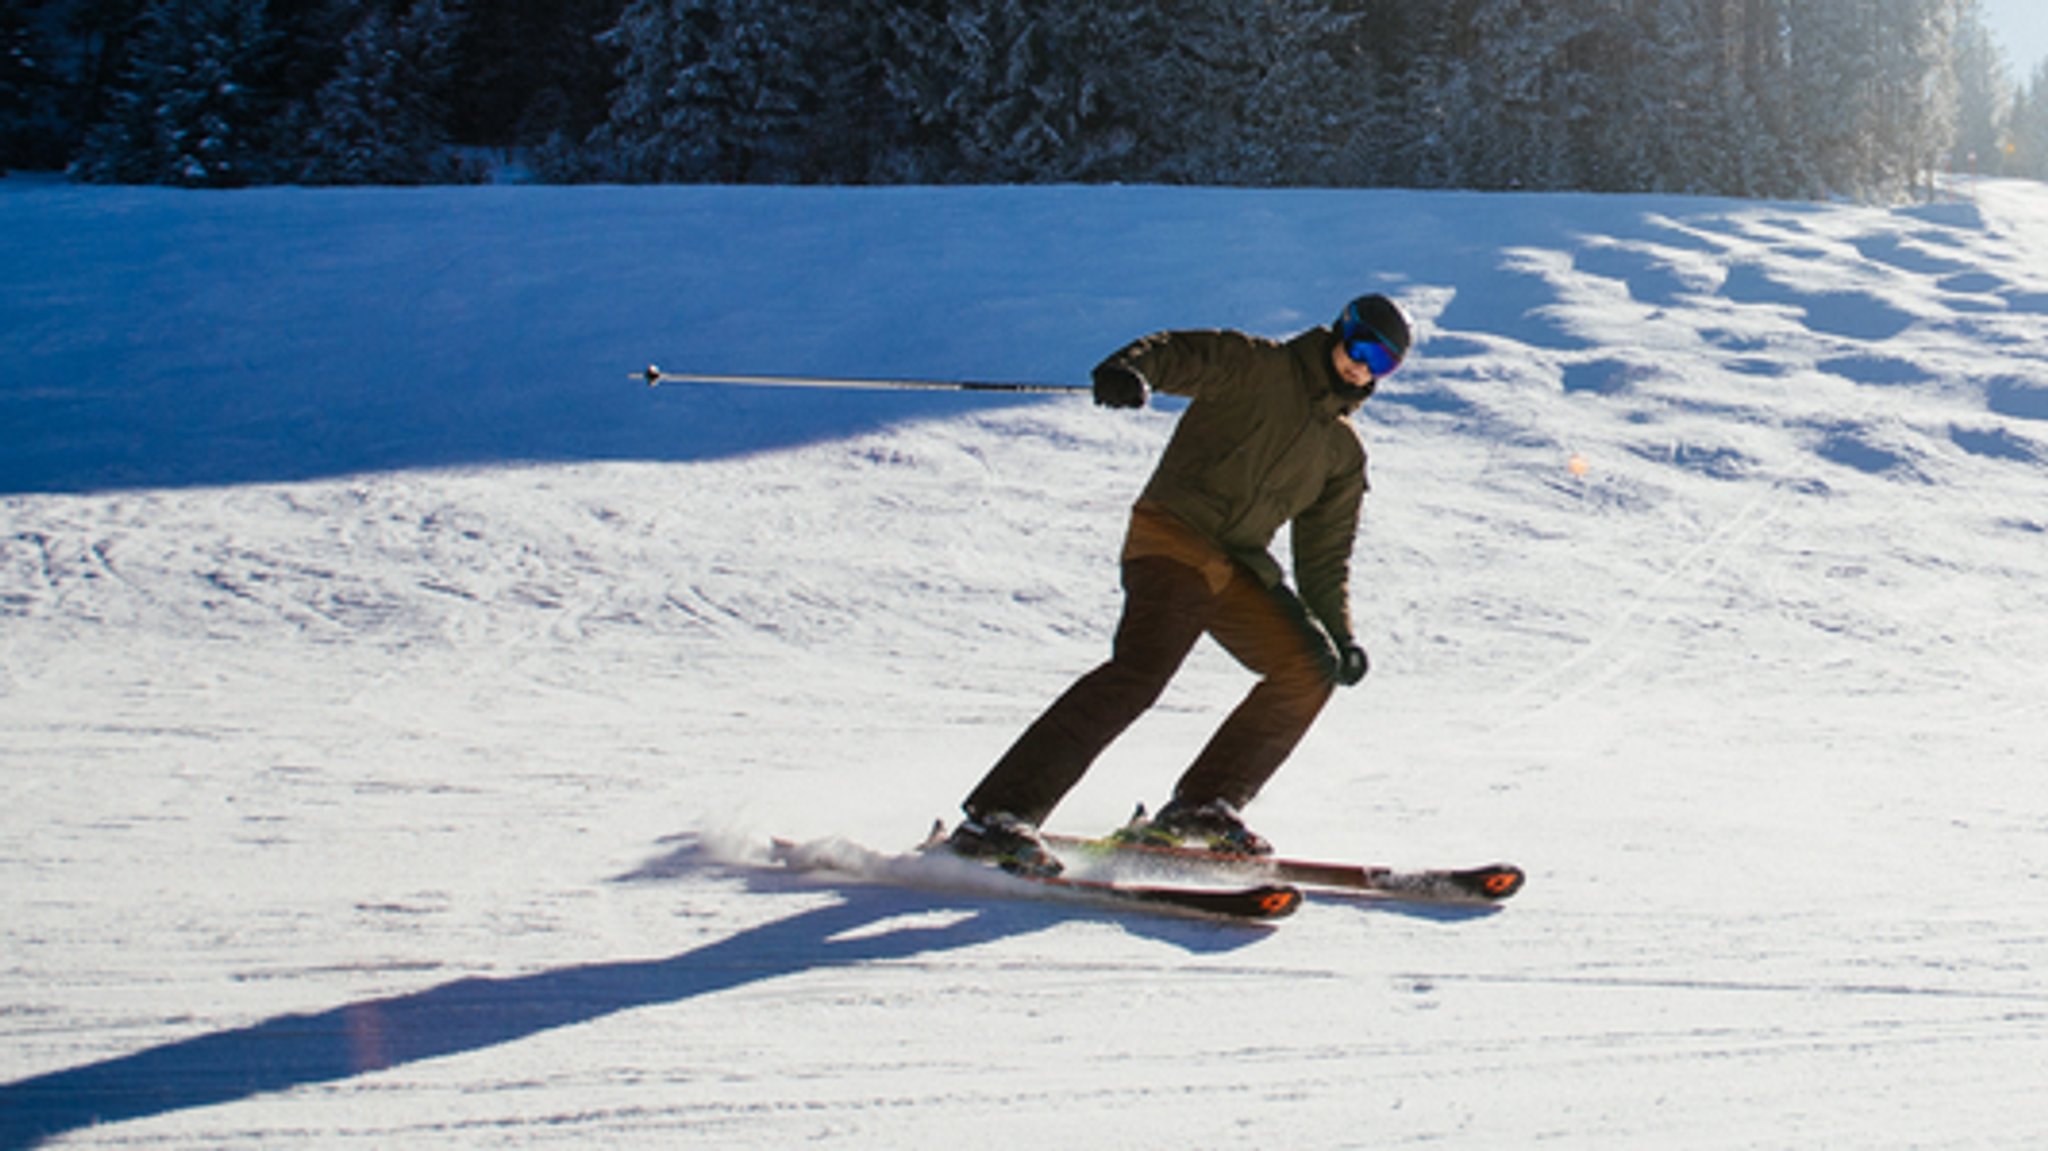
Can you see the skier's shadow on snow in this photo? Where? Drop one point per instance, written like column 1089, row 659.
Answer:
column 478, row 1013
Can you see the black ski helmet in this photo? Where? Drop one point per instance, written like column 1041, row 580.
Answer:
column 1374, row 318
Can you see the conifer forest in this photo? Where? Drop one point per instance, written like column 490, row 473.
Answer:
column 1865, row 99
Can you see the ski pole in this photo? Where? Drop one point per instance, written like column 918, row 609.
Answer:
column 655, row 377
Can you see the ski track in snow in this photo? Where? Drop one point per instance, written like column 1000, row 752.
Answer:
column 396, row 703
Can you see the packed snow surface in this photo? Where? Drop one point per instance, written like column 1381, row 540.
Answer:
column 397, row 700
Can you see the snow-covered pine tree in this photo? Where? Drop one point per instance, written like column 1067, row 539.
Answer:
column 1254, row 94
column 1420, row 49
column 1742, row 155
column 1013, row 91
column 1875, row 102
column 381, row 118
column 2028, row 130
column 532, row 69
column 22, row 80
column 665, row 122
column 1918, row 93
column 746, row 91
column 1613, row 128
column 1691, row 85
column 1873, row 94
column 195, row 105
column 1984, row 95
column 1517, row 112
column 1834, row 71
column 1769, row 135
column 1372, row 116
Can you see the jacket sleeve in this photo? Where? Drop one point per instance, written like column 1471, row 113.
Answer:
column 1321, row 539
column 1184, row 363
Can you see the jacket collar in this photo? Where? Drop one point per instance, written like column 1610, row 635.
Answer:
column 1333, row 396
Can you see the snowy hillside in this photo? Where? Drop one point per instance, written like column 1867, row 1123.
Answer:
column 394, row 697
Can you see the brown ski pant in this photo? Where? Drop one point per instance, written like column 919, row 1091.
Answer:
column 1169, row 605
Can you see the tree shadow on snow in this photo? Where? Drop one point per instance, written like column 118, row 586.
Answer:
column 231, row 430
column 475, row 1014
column 153, row 338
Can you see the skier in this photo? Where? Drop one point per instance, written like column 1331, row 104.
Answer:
column 1266, row 441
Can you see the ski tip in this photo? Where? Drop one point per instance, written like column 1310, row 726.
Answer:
column 1279, row 901
column 1257, row 904
column 1494, row 882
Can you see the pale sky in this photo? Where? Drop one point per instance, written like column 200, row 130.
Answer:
column 2021, row 27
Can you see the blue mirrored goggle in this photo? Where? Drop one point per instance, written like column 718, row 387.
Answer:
column 1365, row 345
column 1366, row 348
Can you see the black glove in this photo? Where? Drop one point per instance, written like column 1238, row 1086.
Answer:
column 1351, row 664
column 1119, row 387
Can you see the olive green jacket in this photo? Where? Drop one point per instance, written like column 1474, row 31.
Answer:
column 1266, row 442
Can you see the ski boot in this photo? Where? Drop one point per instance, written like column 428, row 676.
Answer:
column 1213, row 824
column 1005, row 840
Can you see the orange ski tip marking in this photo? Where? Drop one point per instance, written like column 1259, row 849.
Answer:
column 1503, row 883
column 1279, row 902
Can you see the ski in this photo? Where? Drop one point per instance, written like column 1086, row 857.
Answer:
column 1487, row 884
column 1257, row 902
column 1248, row 903
column 1271, row 900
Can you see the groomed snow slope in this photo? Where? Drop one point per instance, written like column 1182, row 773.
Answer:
column 395, row 699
